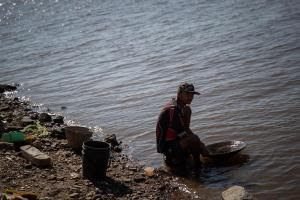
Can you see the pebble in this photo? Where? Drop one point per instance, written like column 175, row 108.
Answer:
column 236, row 193
column 139, row 179
column 74, row 195
column 28, row 166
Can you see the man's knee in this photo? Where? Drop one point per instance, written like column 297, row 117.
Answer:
column 193, row 139
column 190, row 141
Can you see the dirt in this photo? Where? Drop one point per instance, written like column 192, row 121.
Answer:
column 125, row 178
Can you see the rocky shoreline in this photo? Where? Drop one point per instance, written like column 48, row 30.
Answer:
column 43, row 165
column 63, row 179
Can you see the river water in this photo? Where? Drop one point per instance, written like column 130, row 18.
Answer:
column 114, row 63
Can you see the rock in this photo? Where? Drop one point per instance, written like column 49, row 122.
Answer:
column 117, row 149
column 9, row 119
column 11, row 197
column 135, row 169
column 13, row 128
column 90, row 194
column 98, row 191
column 236, row 193
column 111, row 139
column 2, row 127
column 139, row 179
column 27, row 121
column 34, row 115
column 21, row 194
column 125, row 180
column 28, row 166
column 52, row 178
column 5, row 87
column 149, row 171
column 55, row 191
column 58, row 119
column 4, row 108
column 74, row 195
column 45, row 117
column 37, row 144
column 74, row 175
column 46, row 198
column 35, row 156
column 58, row 133
column 6, row 146
column 27, row 109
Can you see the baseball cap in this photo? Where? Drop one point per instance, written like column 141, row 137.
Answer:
column 187, row 87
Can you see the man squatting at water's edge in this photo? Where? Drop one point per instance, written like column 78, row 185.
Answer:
column 174, row 138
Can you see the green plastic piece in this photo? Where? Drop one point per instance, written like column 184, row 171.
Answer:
column 13, row 136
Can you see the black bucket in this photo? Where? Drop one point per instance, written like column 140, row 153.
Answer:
column 96, row 155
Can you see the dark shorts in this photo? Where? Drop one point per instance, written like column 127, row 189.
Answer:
column 174, row 155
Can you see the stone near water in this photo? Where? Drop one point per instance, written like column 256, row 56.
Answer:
column 236, row 193
column 35, row 156
column 5, row 87
column 45, row 117
column 111, row 139
column 58, row 119
column 149, row 171
column 58, row 133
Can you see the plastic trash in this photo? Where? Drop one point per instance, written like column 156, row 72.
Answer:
column 13, row 136
column 36, row 129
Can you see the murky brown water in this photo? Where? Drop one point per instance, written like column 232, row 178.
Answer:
column 113, row 64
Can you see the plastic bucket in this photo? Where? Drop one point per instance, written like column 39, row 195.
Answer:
column 96, row 155
column 76, row 135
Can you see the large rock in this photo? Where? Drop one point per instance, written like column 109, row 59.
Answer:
column 35, row 156
column 45, row 117
column 236, row 193
column 5, row 87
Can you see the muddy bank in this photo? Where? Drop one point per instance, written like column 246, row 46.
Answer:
column 63, row 178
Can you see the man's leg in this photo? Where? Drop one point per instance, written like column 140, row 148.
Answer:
column 192, row 144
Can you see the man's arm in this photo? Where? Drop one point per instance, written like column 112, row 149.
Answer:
column 162, row 125
column 163, row 121
column 187, row 113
